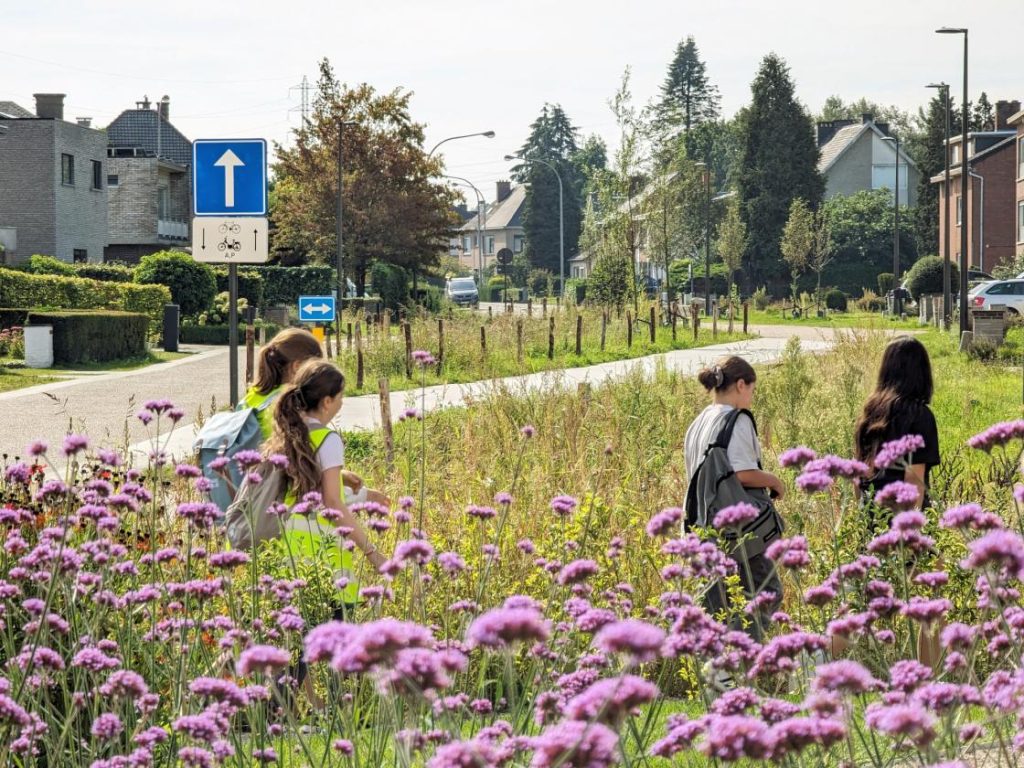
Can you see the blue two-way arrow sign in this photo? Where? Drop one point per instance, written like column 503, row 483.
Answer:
column 316, row 309
column 229, row 177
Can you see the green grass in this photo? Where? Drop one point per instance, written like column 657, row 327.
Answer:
column 150, row 358
column 19, row 378
column 14, row 376
column 870, row 320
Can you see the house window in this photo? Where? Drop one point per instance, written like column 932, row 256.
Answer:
column 80, row 255
column 1020, row 158
column 67, row 169
column 1020, row 222
column 112, row 180
column 954, row 154
column 959, row 210
column 489, row 244
column 97, row 174
column 163, row 202
column 467, row 243
column 518, row 241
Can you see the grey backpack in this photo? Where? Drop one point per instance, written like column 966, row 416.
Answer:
column 715, row 486
column 248, row 522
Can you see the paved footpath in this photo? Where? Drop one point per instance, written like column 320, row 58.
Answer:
column 104, row 405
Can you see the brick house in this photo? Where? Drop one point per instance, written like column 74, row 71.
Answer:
column 855, row 156
column 53, row 191
column 501, row 227
column 149, row 177
column 1017, row 121
column 989, row 213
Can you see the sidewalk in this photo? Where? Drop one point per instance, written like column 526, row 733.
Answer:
column 363, row 412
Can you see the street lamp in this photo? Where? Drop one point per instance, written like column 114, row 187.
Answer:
column 963, row 182
column 486, row 134
column 481, row 211
column 339, row 221
column 561, row 218
column 946, row 298
column 897, row 293
column 706, row 176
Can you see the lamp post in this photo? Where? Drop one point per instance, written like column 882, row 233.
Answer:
column 561, row 218
column 963, row 182
column 946, row 298
column 897, row 294
column 706, row 176
column 339, row 220
column 486, row 134
column 481, row 211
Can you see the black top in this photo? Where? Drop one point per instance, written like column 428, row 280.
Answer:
column 917, row 419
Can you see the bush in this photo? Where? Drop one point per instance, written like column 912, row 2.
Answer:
column 539, row 281
column 12, row 342
column 109, row 271
column 250, row 284
column 391, row 283
column 886, row 282
column 835, row 300
column 761, row 298
column 926, row 276
column 220, row 312
column 13, row 318
column 679, row 275
column 871, row 302
column 430, row 297
column 219, row 333
column 20, row 289
column 92, row 337
column 46, row 265
column 192, row 283
column 284, row 285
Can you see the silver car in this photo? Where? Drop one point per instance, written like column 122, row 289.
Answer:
column 1002, row 293
column 462, row 292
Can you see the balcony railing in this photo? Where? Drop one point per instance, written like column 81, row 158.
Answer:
column 169, row 229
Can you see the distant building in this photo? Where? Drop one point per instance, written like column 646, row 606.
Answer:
column 1017, row 121
column 149, row 177
column 501, row 227
column 990, row 212
column 855, row 157
column 53, row 191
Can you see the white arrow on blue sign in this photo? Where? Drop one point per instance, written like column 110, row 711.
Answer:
column 316, row 309
column 229, row 177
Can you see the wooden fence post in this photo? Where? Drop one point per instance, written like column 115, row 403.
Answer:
column 579, row 335
column 519, row 341
column 551, row 338
column 730, row 316
column 714, row 320
column 385, row 422
column 544, row 305
column 483, row 339
column 359, row 356
column 348, row 335
column 440, row 344
column 673, row 314
column 529, row 307
column 408, row 349
column 746, row 315
column 654, row 327
column 490, row 312
column 629, row 329
column 604, row 327
column 695, row 317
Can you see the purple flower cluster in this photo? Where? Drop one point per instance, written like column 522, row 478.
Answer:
column 897, row 450
column 997, row 435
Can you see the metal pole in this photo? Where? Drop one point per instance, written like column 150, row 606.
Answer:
column 480, row 246
column 233, row 332
column 896, row 237
column 561, row 241
column 707, row 241
column 963, row 201
column 947, row 299
column 339, row 226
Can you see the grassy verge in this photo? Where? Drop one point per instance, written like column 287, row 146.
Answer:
column 865, row 320
column 14, row 376
column 19, row 378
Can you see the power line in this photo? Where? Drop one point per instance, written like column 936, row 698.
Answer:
column 303, row 88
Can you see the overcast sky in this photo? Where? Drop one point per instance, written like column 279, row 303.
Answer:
column 475, row 66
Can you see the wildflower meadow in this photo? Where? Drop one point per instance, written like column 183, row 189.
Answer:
column 542, row 604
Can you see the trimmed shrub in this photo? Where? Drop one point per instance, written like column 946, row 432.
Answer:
column 192, row 283
column 20, row 289
column 886, row 282
column 250, row 284
column 284, row 285
column 538, row 282
column 110, row 272
column 218, row 334
column 46, row 265
column 391, row 284
column 926, row 276
column 835, row 300
column 92, row 337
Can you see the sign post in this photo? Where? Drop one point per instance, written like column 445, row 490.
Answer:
column 229, row 200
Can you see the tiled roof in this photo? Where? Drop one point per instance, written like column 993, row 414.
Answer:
column 137, row 128
column 954, row 170
column 10, row 109
column 838, row 144
column 508, row 213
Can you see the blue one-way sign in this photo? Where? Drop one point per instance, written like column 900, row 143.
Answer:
column 316, row 309
column 229, row 177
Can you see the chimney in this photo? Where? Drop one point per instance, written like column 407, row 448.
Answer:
column 84, row 122
column 504, row 189
column 50, row 105
column 825, row 131
column 883, row 127
column 164, row 107
column 1004, row 111
column 866, row 117
column 144, row 104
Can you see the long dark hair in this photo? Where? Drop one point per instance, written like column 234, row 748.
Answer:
column 904, row 388
column 289, row 346
column 315, row 380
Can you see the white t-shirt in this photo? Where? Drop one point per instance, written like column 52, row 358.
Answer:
column 744, row 448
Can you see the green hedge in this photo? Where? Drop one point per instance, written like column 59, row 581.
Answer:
column 38, row 264
column 93, row 337
column 20, row 289
column 250, row 284
column 13, row 317
column 110, row 272
column 284, row 285
column 218, row 334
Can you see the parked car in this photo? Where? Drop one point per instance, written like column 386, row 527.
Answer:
column 1008, row 293
column 462, row 292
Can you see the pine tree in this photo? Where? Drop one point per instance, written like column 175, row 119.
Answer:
column 779, row 164
column 687, row 96
column 930, row 158
column 553, row 140
column 984, row 115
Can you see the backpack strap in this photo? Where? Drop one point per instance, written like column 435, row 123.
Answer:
column 268, row 402
column 728, row 425
column 721, row 441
